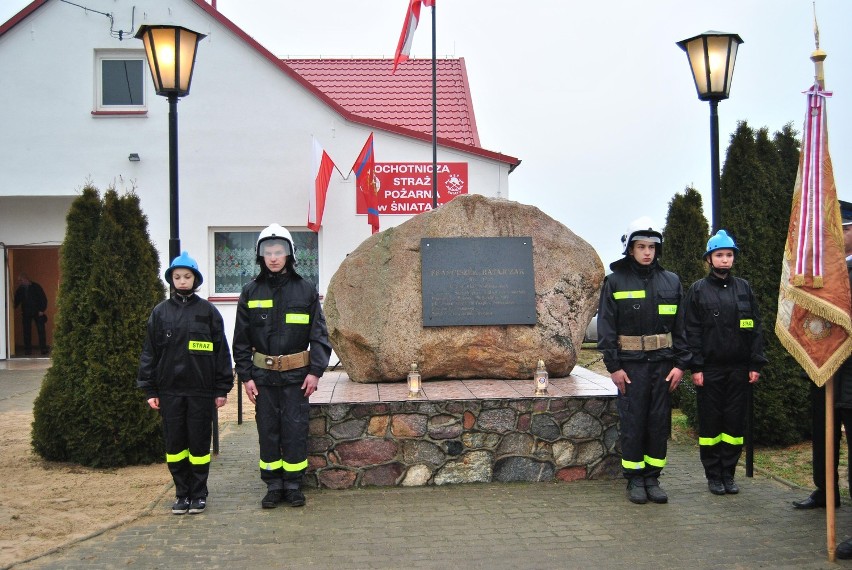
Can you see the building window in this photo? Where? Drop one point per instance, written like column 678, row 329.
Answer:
column 120, row 81
column 234, row 255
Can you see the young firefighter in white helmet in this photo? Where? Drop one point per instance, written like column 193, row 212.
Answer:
column 185, row 370
column 641, row 339
column 281, row 350
column 725, row 336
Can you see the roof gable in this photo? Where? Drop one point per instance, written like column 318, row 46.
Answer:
column 366, row 88
column 459, row 136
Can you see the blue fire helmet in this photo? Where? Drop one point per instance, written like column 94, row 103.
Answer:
column 185, row 262
column 720, row 241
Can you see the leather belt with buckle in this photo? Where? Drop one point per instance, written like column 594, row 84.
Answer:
column 282, row 362
column 645, row 342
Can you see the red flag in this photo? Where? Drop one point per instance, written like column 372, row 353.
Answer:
column 813, row 322
column 412, row 16
column 322, row 167
column 364, row 168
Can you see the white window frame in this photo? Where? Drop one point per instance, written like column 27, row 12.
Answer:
column 120, row 55
column 211, row 281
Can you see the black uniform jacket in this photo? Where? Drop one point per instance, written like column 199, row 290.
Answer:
column 186, row 352
column 640, row 300
column 843, row 395
column 280, row 314
column 723, row 326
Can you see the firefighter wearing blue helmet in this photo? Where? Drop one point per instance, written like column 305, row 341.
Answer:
column 725, row 338
column 640, row 338
column 281, row 350
column 185, row 369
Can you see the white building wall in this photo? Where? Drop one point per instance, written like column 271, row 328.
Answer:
column 245, row 151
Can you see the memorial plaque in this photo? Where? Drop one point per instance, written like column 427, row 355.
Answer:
column 477, row 281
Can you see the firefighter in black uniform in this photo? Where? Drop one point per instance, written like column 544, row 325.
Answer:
column 279, row 318
column 640, row 337
column 725, row 338
column 185, row 370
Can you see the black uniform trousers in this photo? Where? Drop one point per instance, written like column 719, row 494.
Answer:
column 188, row 428
column 282, row 415
column 645, row 413
column 842, row 416
column 721, row 420
column 38, row 321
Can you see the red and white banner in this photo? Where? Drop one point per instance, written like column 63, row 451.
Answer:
column 412, row 17
column 405, row 188
column 322, row 167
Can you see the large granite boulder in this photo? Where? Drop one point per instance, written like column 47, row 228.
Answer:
column 374, row 304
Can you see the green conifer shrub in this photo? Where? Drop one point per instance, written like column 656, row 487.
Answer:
column 112, row 424
column 60, row 402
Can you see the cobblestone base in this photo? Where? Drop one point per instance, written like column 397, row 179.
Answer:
column 413, row 443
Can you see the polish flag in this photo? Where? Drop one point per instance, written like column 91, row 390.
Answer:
column 322, row 166
column 407, row 35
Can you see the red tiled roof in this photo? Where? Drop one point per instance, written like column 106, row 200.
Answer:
column 366, row 88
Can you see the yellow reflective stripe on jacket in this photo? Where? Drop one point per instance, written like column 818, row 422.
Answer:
column 199, row 460
column 175, row 457
column 746, row 324
column 667, row 309
column 260, row 304
column 729, row 439
column 297, row 319
column 201, row 345
column 632, row 464
column 281, row 464
column 628, row 294
column 654, row 462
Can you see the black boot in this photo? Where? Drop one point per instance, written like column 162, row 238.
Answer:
column 636, row 490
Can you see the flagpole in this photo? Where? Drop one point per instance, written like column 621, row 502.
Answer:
column 830, row 480
column 818, row 56
column 434, row 115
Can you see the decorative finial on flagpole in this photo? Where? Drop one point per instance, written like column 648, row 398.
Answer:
column 818, row 56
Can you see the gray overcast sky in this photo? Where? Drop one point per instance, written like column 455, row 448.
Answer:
column 594, row 97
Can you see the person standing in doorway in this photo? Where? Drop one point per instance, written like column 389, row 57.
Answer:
column 33, row 302
column 281, row 350
column 725, row 337
column 643, row 347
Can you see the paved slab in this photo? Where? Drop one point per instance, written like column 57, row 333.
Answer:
column 585, row 524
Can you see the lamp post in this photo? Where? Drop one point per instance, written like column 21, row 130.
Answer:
column 712, row 56
column 171, row 57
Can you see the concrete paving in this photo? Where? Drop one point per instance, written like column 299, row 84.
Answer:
column 585, row 524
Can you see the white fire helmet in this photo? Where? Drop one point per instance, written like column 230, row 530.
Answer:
column 642, row 228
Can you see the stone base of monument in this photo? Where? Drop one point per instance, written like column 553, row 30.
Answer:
column 462, row 431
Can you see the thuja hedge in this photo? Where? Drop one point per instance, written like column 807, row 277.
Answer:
column 89, row 410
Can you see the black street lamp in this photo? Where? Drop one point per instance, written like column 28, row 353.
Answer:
column 171, row 58
column 712, row 56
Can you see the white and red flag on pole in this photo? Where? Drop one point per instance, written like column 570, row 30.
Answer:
column 813, row 322
column 322, row 168
column 412, row 17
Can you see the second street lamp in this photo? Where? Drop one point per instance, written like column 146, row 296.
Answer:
column 171, row 57
column 712, row 56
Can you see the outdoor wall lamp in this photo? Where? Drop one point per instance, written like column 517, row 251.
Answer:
column 134, row 157
column 171, row 57
column 712, row 56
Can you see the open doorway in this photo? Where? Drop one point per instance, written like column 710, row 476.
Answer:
column 40, row 265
